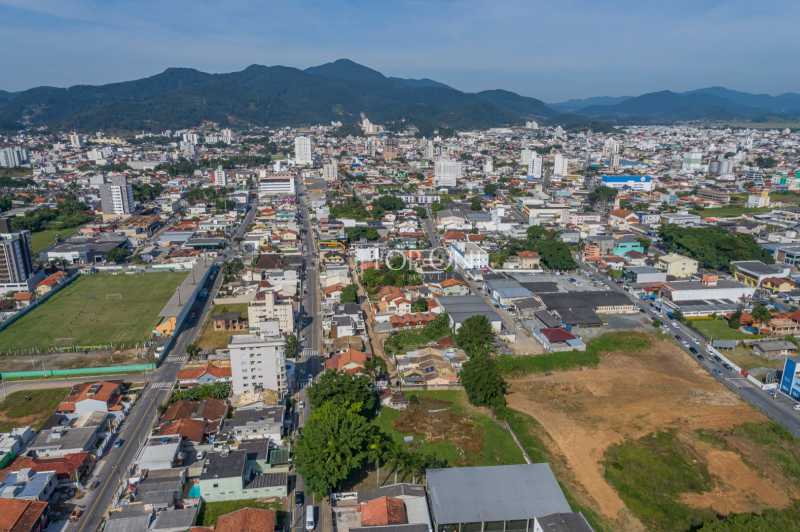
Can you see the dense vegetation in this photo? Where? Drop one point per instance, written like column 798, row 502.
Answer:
column 713, row 247
column 399, row 275
column 69, row 213
column 402, row 341
column 554, row 254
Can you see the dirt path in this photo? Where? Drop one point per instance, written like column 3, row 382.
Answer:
column 626, row 397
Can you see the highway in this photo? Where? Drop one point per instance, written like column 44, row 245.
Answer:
column 115, row 467
column 778, row 407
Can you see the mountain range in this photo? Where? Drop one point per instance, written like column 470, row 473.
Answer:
column 341, row 90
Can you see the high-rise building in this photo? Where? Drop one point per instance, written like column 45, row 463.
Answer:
column 302, row 150
column 116, row 196
column 447, row 173
column 488, row 165
column 16, row 265
column 74, row 140
column 227, row 136
column 526, row 156
column 560, row 165
column 430, row 151
column 258, row 363
column 535, row 166
column 330, row 170
column 219, row 177
column 13, row 156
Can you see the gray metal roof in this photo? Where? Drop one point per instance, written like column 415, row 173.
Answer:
column 497, row 493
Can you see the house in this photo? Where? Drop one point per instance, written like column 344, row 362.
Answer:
column 28, row 484
column 18, row 515
column 396, row 507
column 778, row 285
column 351, row 361
column 70, row 469
column 233, row 475
column 62, row 440
column 49, row 283
column 626, row 244
column 12, row 443
column 622, row 218
column 205, row 373
column 677, row 265
column 256, row 423
column 193, row 430
column 510, row 497
column 88, row 397
column 461, row 308
column 774, row 349
column 243, row 520
column 468, row 256
column 558, row 339
column 229, row 321
column 210, row 410
column 160, row 452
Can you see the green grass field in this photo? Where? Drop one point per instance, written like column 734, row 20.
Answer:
column 629, row 342
column 211, row 511
column 445, row 425
column 717, row 329
column 210, row 339
column 29, row 407
column 41, row 240
column 730, row 211
column 651, row 473
column 96, row 309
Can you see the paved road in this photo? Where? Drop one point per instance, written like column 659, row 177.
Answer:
column 8, row 387
column 779, row 408
column 117, row 464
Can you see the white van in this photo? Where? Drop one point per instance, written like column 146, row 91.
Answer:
column 310, row 523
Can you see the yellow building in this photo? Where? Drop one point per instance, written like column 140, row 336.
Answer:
column 677, row 265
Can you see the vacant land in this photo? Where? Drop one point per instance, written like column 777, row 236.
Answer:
column 743, row 357
column 210, row 339
column 731, row 211
column 211, row 511
column 444, row 424
column 94, row 310
column 41, row 240
column 603, row 425
column 29, row 407
column 717, row 329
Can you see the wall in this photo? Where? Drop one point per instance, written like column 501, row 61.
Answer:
column 102, row 370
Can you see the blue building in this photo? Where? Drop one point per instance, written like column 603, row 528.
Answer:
column 632, row 182
column 790, row 380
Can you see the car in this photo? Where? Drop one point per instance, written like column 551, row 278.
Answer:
column 693, row 350
column 301, row 405
column 119, row 443
column 299, row 498
column 700, row 357
column 76, row 514
column 797, row 406
column 95, row 484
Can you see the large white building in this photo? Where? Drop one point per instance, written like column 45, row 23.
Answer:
column 219, row 178
column 276, row 186
column 560, row 165
column 330, row 170
column 468, row 256
column 116, row 196
column 447, row 173
column 16, row 265
column 13, row 156
column 535, row 166
column 265, row 308
column 302, row 150
column 258, row 363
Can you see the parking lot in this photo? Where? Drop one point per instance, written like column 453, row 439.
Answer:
column 572, row 282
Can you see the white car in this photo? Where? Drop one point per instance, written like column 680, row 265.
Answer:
column 797, row 406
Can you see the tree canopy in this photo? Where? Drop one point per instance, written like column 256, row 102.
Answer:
column 347, row 391
column 713, row 247
column 475, row 336
column 483, row 383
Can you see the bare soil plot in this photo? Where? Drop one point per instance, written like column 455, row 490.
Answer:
column 630, row 395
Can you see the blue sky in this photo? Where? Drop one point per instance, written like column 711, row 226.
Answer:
column 550, row 50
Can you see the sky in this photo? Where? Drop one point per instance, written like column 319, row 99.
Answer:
column 549, row 50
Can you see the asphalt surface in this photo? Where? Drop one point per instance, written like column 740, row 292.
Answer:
column 114, row 468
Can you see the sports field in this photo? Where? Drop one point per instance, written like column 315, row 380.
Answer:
column 93, row 310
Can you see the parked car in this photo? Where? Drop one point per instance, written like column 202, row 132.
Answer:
column 119, row 443
column 299, row 498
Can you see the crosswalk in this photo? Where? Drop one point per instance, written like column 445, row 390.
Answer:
column 308, row 352
column 178, row 358
column 161, row 385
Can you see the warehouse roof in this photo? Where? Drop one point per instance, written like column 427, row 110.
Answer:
column 496, row 493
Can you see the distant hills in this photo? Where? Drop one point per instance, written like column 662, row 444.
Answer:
column 341, row 90
column 261, row 95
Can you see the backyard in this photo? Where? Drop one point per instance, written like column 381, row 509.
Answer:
column 29, row 407
column 444, row 424
column 210, row 339
column 211, row 511
column 718, row 329
column 94, row 310
column 41, row 240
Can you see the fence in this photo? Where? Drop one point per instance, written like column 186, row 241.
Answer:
column 67, row 280
column 77, row 372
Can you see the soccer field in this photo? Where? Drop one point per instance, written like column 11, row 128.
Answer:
column 93, row 310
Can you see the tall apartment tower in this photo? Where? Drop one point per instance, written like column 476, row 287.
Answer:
column 302, row 150
column 535, row 166
column 258, row 363
column 16, row 264
column 330, row 170
column 220, row 178
column 116, row 196
column 447, row 173
column 560, row 165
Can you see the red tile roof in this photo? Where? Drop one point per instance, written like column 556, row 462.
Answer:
column 383, row 511
column 17, row 515
column 246, row 520
column 557, row 334
column 65, row 466
column 105, row 391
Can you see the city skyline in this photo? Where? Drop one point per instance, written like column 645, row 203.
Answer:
column 579, row 50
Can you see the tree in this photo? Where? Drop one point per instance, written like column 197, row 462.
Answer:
column 422, row 214
column 334, row 444
column 419, row 305
column 346, row 391
column 735, row 319
column 761, row 313
column 375, row 367
column 292, row 346
column 490, row 189
column 475, row 203
column 192, row 350
column 475, row 336
column 677, row 315
column 232, row 270
column 483, row 383
column 349, row 294
column 602, row 195
column 118, row 255
column 556, row 255
column 645, row 242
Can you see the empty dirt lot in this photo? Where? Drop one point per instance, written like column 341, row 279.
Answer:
column 630, row 395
